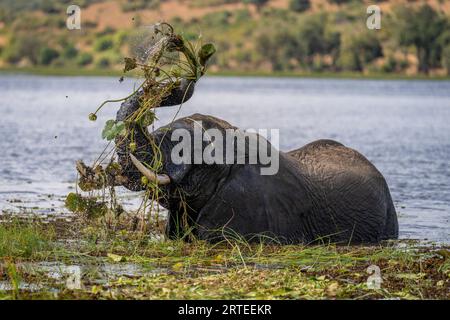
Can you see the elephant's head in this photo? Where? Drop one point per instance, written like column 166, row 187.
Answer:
column 174, row 158
column 143, row 142
column 152, row 154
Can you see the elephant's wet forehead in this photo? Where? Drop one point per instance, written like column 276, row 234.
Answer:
column 206, row 121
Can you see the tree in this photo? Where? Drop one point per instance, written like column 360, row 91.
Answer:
column 311, row 36
column 287, row 47
column 333, row 45
column 23, row 46
column 85, row 59
column 47, row 55
column 299, row 5
column 421, row 28
column 103, row 43
column 103, row 63
column 444, row 41
column 258, row 3
column 360, row 50
column 279, row 47
column 69, row 51
column 446, row 58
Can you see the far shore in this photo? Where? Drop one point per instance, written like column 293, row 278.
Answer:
column 118, row 73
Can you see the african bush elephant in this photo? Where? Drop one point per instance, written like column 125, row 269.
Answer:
column 323, row 191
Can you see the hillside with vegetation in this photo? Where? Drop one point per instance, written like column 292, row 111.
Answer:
column 252, row 36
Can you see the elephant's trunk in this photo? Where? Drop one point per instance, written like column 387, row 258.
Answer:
column 133, row 167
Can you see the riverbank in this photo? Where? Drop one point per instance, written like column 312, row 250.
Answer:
column 80, row 259
column 84, row 72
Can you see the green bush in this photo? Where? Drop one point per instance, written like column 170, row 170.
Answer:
column 103, row 63
column 315, row 39
column 70, row 52
column 422, row 28
column 103, row 44
column 349, row 60
column 23, row 46
column 217, row 19
column 359, row 51
column 242, row 15
column 305, row 44
column 390, row 65
column 339, row 2
column 84, row 59
column 106, row 31
column 279, row 48
column 133, row 5
column 258, row 3
column 49, row 6
column 47, row 55
column 299, row 5
column 446, row 58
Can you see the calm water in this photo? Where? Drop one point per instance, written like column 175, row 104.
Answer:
column 403, row 127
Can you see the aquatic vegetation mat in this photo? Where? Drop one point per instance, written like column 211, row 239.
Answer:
column 101, row 264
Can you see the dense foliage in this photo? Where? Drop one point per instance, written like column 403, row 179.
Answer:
column 251, row 36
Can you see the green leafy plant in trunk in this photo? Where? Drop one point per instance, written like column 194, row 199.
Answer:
column 163, row 64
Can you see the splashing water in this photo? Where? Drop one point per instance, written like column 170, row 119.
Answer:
column 149, row 42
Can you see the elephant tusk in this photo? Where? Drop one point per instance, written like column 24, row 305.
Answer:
column 160, row 179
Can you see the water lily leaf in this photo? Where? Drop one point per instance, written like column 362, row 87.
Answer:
column 112, row 129
column 108, row 126
column 89, row 206
column 147, row 118
column 410, row 276
column 96, row 289
column 116, row 257
column 218, row 259
column 177, row 266
column 206, row 52
column 321, row 278
column 74, row 202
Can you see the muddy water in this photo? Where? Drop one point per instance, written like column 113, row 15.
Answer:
column 403, row 127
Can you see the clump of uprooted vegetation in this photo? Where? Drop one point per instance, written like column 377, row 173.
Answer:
column 163, row 59
column 128, row 264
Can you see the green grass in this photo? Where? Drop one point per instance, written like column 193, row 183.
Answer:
column 232, row 269
column 18, row 240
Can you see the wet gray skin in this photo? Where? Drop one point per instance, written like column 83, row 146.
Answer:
column 323, row 191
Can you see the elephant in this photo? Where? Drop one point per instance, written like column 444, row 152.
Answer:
column 322, row 192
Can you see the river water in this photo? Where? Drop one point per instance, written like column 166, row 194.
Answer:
column 403, row 127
